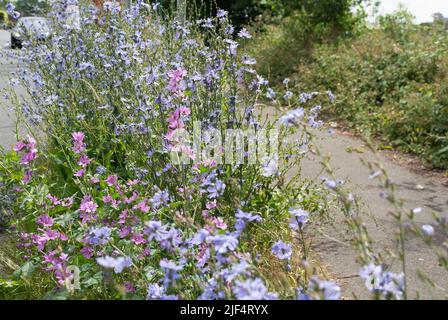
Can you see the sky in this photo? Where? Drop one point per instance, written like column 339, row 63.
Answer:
column 421, row 9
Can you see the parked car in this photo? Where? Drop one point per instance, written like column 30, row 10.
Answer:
column 4, row 20
column 29, row 28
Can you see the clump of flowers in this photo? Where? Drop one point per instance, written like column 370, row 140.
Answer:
column 384, row 283
column 29, row 151
column 110, row 201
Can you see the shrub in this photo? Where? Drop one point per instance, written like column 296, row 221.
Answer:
column 391, row 85
column 280, row 48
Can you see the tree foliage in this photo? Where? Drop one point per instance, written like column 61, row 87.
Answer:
column 32, row 7
column 334, row 14
column 338, row 15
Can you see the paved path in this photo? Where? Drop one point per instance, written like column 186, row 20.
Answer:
column 7, row 67
column 415, row 189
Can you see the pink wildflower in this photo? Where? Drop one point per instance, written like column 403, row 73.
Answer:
column 175, row 80
column 94, row 180
column 133, row 182
column 67, row 202
column 132, row 198
column 29, row 157
column 19, row 146
column 107, row 199
column 79, row 173
column 111, row 180
column 211, row 205
column 87, row 252
column 142, row 206
column 219, row 223
column 123, row 215
column 45, row 220
column 30, row 142
column 128, row 287
column 78, row 137
column 53, row 199
column 138, row 239
column 124, row 232
column 83, row 161
column 78, row 142
column 87, row 205
column 27, row 176
column 63, row 237
column 86, row 217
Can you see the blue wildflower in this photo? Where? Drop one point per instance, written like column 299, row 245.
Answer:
column 252, row 289
column 199, row 238
column 299, row 218
column 292, row 117
column 170, row 239
column 154, row 230
column 223, row 243
column 170, row 268
column 377, row 280
column 99, row 236
column 157, row 292
column 209, row 292
column 101, row 170
column 10, row 8
column 118, row 264
column 221, row 14
column 235, row 270
column 244, row 34
column 248, row 217
column 160, row 198
column 215, row 190
column 320, row 290
column 282, row 250
column 269, row 168
column 112, row 6
column 288, row 95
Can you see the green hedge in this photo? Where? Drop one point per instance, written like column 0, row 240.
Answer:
column 390, row 85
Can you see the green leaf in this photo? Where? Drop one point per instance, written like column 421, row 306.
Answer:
column 24, row 271
column 443, row 150
column 56, row 295
column 8, row 283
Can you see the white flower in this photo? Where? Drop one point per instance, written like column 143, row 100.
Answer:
column 269, row 168
column 428, row 230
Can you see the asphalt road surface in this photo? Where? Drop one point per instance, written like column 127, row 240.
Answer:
column 8, row 66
